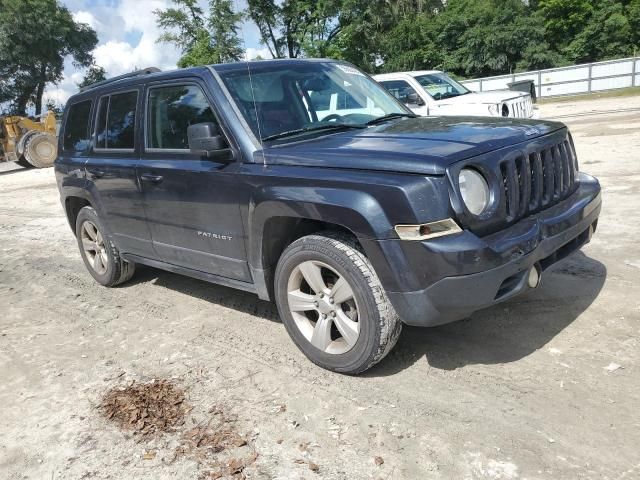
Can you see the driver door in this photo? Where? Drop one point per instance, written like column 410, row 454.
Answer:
column 192, row 204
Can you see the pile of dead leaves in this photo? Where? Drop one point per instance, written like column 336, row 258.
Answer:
column 214, row 441
column 145, row 408
column 218, row 436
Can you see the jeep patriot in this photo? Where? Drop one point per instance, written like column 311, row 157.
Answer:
column 307, row 183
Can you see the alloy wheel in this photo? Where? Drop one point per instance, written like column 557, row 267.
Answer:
column 94, row 247
column 323, row 307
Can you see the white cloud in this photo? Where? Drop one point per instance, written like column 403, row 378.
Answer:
column 127, row 38
column 83, row 16
column 252, row 53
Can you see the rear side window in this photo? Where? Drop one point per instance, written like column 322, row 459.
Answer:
column 115, row 126
column 170, row 112
column 76, row 132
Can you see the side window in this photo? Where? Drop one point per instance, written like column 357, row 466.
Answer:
column 76, row 132
column 170, row 112
column 101, row 122
column 115, row 126
column 399, row 89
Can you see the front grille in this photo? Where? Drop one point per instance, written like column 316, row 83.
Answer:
column 538, row 180
column 521, row 107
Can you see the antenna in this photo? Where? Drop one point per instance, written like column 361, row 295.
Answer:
column 253, row 95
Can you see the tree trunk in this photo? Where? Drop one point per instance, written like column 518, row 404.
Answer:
column 40, row 90
column 21, row 104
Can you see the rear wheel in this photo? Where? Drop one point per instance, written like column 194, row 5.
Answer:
column 100, row 255
column 333, row 305
column 40, row 149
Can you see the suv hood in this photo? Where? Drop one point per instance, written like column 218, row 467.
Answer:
column 423, row 145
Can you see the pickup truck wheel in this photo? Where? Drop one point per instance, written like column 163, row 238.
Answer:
column 333, row 305
column 100, row 255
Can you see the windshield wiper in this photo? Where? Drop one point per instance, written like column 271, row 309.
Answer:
column 298, row 131
column 390, row 116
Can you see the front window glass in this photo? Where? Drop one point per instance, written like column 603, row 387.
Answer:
column 171, row 111
column 441, row 86
column 277, row 99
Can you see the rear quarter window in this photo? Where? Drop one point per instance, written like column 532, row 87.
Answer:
column 76, row 132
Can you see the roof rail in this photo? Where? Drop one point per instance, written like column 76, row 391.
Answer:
column 137, row 73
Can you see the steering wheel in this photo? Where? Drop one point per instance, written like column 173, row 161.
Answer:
column 333, row 116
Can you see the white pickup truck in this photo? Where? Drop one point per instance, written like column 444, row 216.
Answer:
column 432, row 92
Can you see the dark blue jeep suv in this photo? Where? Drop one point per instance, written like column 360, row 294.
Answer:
column 305, row 182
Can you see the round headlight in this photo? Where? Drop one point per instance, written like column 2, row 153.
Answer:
column 475, row 190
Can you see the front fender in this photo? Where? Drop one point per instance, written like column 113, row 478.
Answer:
column 358, row 212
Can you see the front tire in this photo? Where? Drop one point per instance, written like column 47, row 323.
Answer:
column 333, row 305
column 100, row 255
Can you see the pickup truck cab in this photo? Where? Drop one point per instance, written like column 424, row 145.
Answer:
column 432, row 92
column 354, row 222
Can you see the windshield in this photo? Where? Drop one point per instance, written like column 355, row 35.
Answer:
column 281, row 100
column 440, row 86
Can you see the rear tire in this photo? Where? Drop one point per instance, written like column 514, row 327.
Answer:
column 40, row 149
column 350, row 344
column 100, row 255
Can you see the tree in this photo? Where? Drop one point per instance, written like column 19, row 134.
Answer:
column 294, row 27
column 588, row 30
column 56, row 108
column 203, row 39
column 36, row 36
column 465, row 37
column 94, row 74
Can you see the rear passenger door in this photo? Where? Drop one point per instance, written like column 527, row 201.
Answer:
column 111, row 170
column 191, row 202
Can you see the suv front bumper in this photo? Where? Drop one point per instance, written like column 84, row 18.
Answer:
column 492, row 268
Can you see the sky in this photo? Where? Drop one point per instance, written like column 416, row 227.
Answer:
column 127, row 38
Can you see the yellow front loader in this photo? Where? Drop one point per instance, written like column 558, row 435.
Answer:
column 29, row 142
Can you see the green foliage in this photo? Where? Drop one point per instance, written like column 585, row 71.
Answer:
column 94, row 74
column 290, row 28
column 483, row 37
column 36, row 36
column 585, row 31
column 56, row 108
column 204, row 39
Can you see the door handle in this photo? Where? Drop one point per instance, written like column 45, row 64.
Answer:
column 96, row 173
column 148, row 177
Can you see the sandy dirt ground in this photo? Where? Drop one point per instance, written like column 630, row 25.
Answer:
column 545, row 386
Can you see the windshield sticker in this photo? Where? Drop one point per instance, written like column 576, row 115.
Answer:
column 350, row 70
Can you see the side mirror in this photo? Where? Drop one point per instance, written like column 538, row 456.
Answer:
column 413, row 99
column 205, row 139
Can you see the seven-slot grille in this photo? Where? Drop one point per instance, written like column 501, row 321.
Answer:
column 538, row 180
column 521, row 107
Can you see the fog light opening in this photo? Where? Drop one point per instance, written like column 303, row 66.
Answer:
column 534, row 276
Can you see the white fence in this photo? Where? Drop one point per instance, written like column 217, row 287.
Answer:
column 577, row 79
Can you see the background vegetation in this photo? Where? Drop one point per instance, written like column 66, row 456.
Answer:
column 468, row 38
